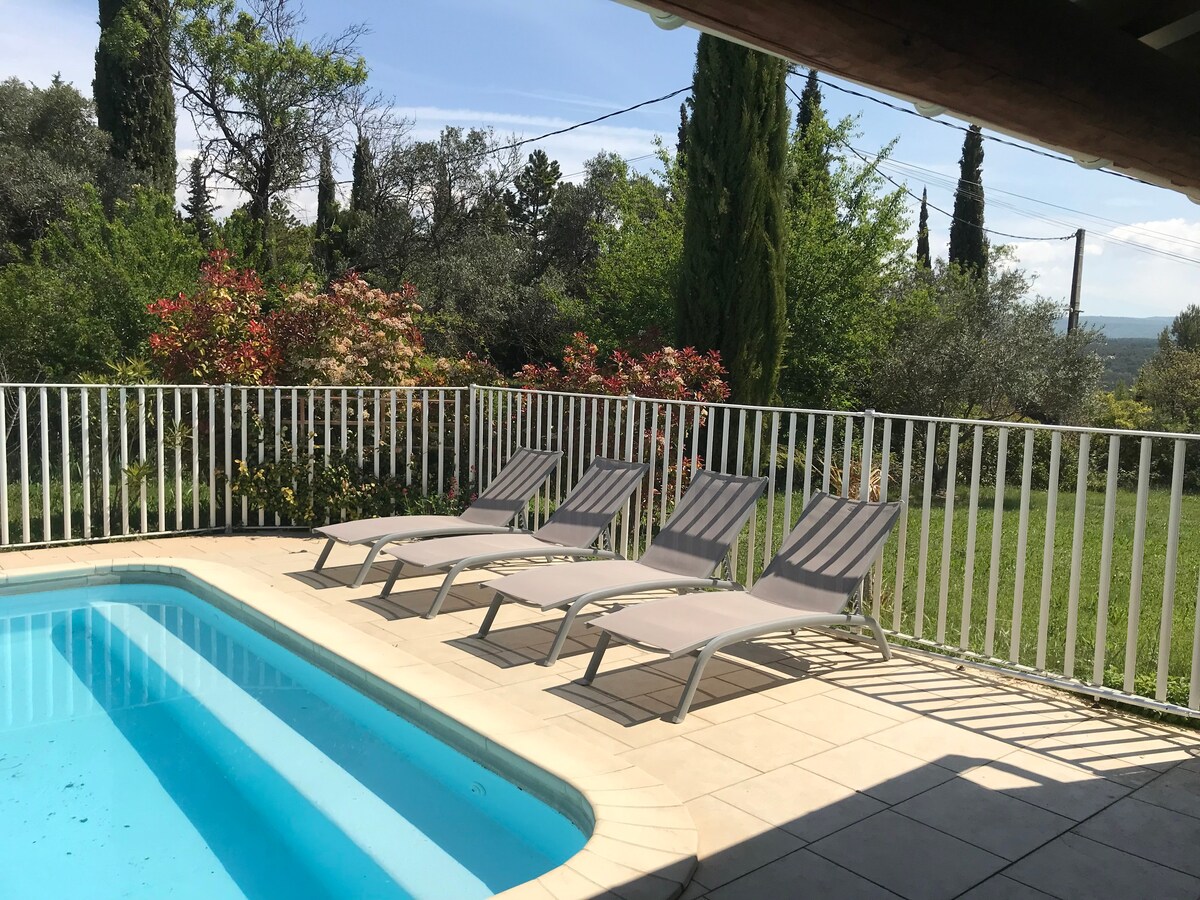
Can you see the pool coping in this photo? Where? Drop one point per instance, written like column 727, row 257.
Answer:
column 643, row 841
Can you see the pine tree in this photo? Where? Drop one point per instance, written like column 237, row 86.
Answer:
column 327, row 211
column 135, row 102
column 198, row 209
column 923, row 256
column 363, row 187
column 533, row 189
column 968, row 244
column 810, row 102
column 731, row 286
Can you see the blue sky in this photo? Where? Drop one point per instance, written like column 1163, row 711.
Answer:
column 528, row 66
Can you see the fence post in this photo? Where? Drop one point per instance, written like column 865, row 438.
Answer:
column 229, row 459
column 631, row 401
column 866, row 456
column 865, row 598
column 471, row 466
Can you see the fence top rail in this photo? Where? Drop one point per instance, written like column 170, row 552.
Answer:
column 1039, row 426
column 704, row 404
column 348, row 388
column 782, row 410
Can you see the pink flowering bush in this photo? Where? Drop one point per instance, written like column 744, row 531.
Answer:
column 351, row 334
column 666, row 374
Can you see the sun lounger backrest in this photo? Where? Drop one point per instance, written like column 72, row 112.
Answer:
column 592, row 505
column 705, row 523
column 512, row 487
column 828, row 553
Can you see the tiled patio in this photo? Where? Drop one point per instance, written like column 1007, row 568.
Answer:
column 810, row 767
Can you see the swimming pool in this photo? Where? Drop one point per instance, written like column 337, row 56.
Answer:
column 152, row 745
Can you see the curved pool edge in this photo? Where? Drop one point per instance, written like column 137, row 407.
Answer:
column 642, row 841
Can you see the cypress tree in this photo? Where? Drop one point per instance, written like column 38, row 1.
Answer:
column 731, row 286
column 968, row 244
column 323, row 249
column 810, row 103
column 923, row 232
column 363, row 186
column 681, row 135
column 199, row 208
column 135, row 103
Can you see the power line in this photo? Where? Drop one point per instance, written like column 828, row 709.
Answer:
column 548, row 134
column 948, row 182
column 904, row 188
column 939, row 178
column 991, row 137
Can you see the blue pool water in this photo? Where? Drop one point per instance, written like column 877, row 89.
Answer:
column 153, row 746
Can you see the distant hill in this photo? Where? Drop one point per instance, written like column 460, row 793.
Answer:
column 1120, row 327
column 1123, row 357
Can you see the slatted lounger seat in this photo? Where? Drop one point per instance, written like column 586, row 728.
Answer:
column 810, row 582
column 684, row 555
column 571, row 531
column 495, row 510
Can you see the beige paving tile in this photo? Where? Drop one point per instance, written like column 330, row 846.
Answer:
column 909, row 858
column 828, row 719
column 1023, row 722
column 947, row 745
column 1001, row 887
column 1072, row 867
column 1151, row 832
column 818, row 877
column 990, row 820
column 801, row 802
column 598, row 739
column 733, row 842
column 1177, row 789
column 881, row 772
column 1112, row 745
column 690, row 769
column 759, row 742
column 733, row 708
column 638, row 722
column 1065, row 789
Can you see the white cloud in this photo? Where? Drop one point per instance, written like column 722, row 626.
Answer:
column 1130, row 270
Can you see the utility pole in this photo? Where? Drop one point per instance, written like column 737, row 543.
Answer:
column 1076, row 282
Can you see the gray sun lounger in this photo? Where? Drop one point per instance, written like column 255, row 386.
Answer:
column 494, row 511
column 821, row 565
column 684, row 555
column 573, row 530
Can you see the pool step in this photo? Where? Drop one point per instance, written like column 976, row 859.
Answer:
column 246, row 730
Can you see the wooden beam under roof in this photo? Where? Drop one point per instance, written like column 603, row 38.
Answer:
column 1045, row 70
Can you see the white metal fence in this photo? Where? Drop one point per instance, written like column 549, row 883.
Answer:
column 89, row 462
column 1064, row 554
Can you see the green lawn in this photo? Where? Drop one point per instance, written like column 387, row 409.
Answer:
column 1154, row 563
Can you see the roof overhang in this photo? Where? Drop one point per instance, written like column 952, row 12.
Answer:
column 1113, row 83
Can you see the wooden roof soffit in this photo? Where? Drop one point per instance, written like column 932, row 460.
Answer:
column 1046, row 71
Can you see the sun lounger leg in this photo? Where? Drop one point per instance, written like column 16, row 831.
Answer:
column 490, row 618
column 390, row 583
column 693, row 682
column 597, row 655
column 329, row 542
column 367, row 563
column 448, row 582
column 879, row 638
column 564, row 628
